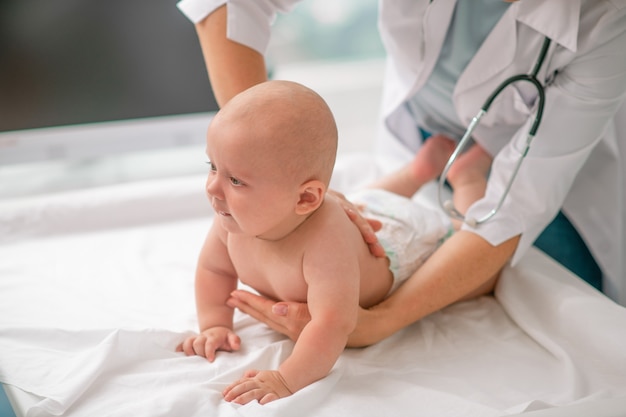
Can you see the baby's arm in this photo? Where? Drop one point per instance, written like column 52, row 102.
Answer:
column 331, row 270
column 333, row 299
column 215, row 280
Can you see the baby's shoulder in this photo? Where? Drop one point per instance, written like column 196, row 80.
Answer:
column 334, row 215
column 332, row 222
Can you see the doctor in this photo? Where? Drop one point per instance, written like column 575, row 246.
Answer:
column 445, row 57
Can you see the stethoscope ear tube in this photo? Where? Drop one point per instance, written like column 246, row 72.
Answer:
column 447, row 205
column 540, row 101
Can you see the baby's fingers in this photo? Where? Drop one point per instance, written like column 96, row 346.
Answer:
column 268, row 398
column 187, row 346
column 234, row 342
column 210, row 348
column 250, row 373
column 229, row 343
column 209, row 342
column 243, row 391
column 247, row 376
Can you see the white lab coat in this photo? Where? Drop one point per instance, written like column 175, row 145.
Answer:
column 576, row 160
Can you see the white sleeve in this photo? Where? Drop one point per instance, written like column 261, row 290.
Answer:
column 580, row 104
column 249, row 21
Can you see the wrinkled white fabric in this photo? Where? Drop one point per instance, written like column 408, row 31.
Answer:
column 90, row 318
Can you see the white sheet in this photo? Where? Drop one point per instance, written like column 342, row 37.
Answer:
column 96, row 290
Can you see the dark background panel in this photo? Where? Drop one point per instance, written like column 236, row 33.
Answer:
column 66, row 62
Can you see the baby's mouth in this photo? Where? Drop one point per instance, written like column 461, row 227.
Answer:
column 221, row 212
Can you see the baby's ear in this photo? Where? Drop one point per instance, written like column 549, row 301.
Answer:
column 311, row 196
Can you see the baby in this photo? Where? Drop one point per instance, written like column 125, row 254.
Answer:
column 272, row 150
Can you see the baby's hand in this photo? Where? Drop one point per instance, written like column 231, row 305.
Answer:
column 264, row 386
column 207, row 343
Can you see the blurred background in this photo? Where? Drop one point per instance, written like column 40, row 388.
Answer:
column 98, row 93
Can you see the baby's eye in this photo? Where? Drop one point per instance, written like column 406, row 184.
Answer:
column 211, row 166
column 235, row 181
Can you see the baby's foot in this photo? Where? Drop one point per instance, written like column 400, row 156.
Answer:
column 431, row 158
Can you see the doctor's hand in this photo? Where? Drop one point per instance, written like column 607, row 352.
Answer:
column 207, row 343
column 286, row 317
column 367, row 227
column 289, row 317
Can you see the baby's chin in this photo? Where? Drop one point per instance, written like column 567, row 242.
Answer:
column 227, row 222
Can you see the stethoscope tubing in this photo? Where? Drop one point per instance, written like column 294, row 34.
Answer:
column 447, row 205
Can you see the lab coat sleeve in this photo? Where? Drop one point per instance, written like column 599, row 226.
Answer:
column 580, row 104
column 249, row 21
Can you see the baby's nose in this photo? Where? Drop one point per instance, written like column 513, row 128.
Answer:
column 213, row 188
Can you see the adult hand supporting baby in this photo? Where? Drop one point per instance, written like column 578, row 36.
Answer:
column 367, row 227
column 290, row 317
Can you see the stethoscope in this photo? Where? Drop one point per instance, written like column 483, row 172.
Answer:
column 448, row 205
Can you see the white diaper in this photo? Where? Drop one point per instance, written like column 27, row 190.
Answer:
column 411, row 231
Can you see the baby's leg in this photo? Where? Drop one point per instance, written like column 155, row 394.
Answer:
column 468, row 177
column 426, row 166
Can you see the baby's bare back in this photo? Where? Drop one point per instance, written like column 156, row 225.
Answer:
column 275, row 268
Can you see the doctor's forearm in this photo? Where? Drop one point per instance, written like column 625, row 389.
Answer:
column 232, row 67
column 464, row 267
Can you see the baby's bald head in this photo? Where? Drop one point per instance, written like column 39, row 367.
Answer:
column 289, row 123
